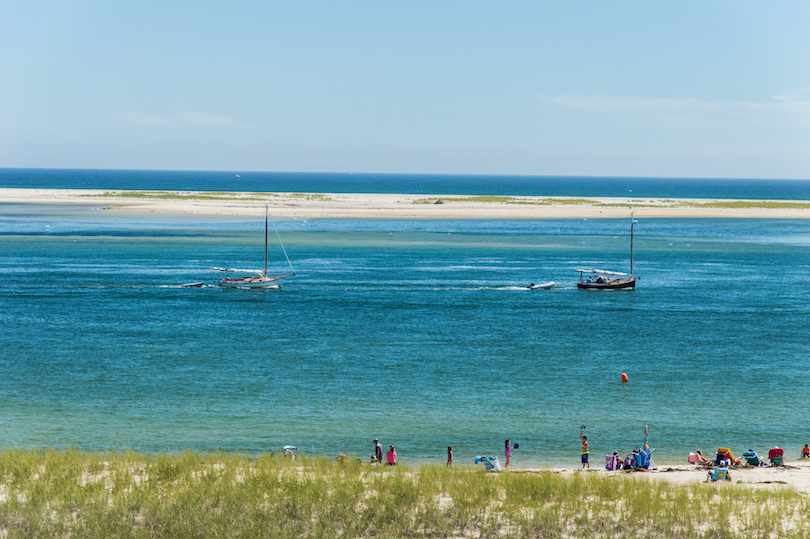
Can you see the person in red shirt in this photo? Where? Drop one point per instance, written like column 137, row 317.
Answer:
column 806, row 452
column 391, row 456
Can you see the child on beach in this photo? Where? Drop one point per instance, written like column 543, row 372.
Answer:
column 806, row 451
column 391, row 456
column 584, row 440
column 449, row 457
column 508, row 454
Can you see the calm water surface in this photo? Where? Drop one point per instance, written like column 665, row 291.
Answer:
column 419, row 333
column 439, row 184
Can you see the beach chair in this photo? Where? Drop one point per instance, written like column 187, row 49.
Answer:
column 776, row 456
column 492, row 464
column 752, row 458
column 644, row 459
column 724, row 457
column 719, row 474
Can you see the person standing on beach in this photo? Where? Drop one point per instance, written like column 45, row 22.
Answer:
column 449, row 457
column 508, row 454
column 584, row 440
column 378, row 450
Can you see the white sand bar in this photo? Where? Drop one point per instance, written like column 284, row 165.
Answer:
column 395, row 206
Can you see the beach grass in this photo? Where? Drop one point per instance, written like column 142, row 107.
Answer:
column 751, row 204
column 510, row 200
column 71, row 493
column 486, row 199
column 214, row 195
column 662, row 203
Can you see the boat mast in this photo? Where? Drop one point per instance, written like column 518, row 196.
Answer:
column 631, row 244
column 265, row 241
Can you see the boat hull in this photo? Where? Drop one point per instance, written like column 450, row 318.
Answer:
column 250, row 283
column 611, row 284
column 542, row 286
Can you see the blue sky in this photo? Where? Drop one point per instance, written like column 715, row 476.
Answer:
column 692, row 89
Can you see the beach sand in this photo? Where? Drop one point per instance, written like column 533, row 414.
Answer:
column 403, row 206
column 794, row 474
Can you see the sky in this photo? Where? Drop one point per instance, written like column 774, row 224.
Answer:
column 619, row 88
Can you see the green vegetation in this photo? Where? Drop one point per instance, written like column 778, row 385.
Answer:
column 663, row 203
column 309, row 196
column 131, row 494
column 636, row 203
column 509, row 200
column 215, row 195
column 495, row 199
column 175, row 195
column 749, row 204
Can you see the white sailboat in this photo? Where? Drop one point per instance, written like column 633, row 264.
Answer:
column 260, row 278
column 609, row 280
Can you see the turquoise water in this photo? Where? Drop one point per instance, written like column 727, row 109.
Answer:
column 420, row 333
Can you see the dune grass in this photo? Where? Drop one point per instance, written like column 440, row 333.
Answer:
column 662, row 203
column 487, row 199
column 510, row 200
column 749, row 204
column 130, row 494
column 213, row 195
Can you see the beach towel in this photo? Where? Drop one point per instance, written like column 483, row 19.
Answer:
column 720, row 474
column 643, row 459
column 492, row 464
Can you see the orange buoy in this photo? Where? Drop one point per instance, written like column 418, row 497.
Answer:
column 624, row 378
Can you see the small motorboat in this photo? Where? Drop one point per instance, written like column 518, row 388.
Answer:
column 196, row 284
column 541, row 286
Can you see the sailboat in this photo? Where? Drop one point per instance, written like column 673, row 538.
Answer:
column 609, row 280
column 261, row 279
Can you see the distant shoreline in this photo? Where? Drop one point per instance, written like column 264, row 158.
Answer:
column 402, row 206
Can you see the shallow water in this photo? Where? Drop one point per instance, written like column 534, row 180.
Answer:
column 420, row 333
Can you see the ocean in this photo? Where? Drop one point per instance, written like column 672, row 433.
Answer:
column 436, row 184
column 419, row 333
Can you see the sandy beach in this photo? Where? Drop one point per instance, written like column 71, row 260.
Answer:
column 404, row 206
column 795, row 474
